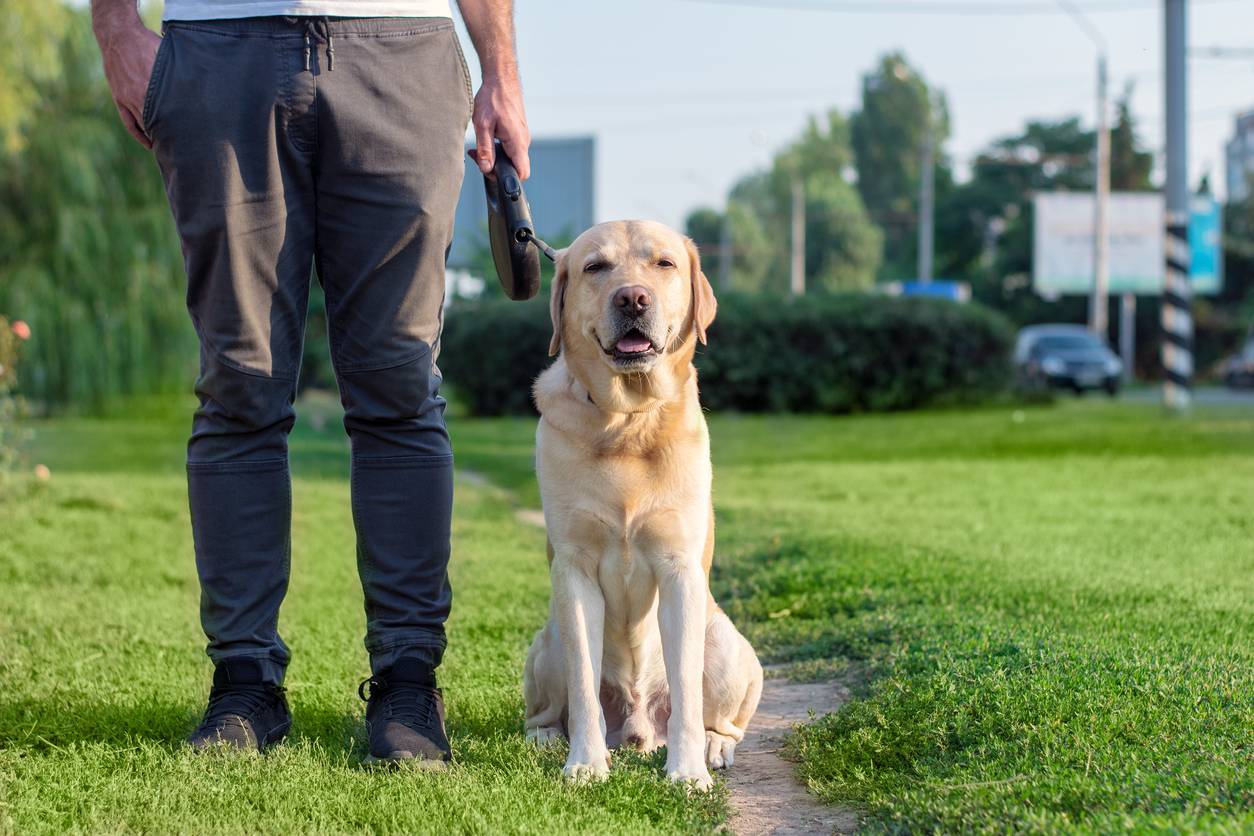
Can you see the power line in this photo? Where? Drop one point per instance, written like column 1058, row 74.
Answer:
column 1007, row 8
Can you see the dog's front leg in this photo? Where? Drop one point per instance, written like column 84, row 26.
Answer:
column 580, row 610
column 681, row 621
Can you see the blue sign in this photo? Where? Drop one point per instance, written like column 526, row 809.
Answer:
column 938, row 288
column 1206, row 245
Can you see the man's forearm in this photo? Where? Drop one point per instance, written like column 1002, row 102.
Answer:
column 108, row 17
column 491, row 27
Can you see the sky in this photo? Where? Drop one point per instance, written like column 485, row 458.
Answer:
column 685, row 97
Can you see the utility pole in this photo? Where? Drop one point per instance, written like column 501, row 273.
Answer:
column 927, row 190
column 797, row 280
column 1177, row 315
column 1098, row 304
column 1098, row 301
column 1127, row 335
column 725, row 249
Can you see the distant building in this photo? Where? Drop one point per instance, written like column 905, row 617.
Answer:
column 560, row 192
column 1240, row 157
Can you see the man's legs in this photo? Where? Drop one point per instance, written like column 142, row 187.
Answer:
column 230, row 119
column 392, row 115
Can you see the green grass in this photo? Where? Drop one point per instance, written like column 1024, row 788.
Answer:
column 1046, row 614
column 102, row 674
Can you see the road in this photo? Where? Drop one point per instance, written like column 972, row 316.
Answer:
column 1202, row 396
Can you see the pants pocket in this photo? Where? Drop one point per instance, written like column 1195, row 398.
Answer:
column 152, row 95
column 470, row 90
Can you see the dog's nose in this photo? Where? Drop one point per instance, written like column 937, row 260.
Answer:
column 632, row 300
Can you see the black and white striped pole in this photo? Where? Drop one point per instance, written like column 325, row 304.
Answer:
column 1177, row 313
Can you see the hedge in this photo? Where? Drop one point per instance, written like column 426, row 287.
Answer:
column 834, row 354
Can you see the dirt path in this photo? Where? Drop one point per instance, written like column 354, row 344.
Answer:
column 765, row 797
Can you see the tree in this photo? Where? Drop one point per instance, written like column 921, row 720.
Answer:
column 888, row 137
column 1129, row 165
column 843, row 246
column 985, row 225
column 751, row 250
column 88, row 252
column 31, row 31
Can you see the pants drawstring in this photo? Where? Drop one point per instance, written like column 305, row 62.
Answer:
column 311, row 30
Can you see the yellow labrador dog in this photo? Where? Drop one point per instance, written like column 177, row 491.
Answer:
column 635, row 651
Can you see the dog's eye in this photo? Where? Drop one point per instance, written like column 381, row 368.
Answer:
column 666, row 264
column 594, row 267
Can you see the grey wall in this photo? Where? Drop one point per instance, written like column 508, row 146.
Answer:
column 560, row 192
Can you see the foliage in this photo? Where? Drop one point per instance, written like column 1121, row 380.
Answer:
column 888, row 135
column 1130, row 164
column 31, row 31
column 751, row 249
column 1238, row 289
column 846, row 353
column 12, row 334
column 984, row 226
column 843, row 247
column 851, row 353
column 88, row 251
column 491, row 352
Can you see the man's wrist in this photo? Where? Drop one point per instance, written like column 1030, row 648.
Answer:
column 112, row 20
column 501, row 72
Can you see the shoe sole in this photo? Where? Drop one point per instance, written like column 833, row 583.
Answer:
column 275, row 737
column 225, row 746
column 407, row 760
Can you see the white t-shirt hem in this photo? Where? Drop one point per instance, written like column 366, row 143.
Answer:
column 226, row 9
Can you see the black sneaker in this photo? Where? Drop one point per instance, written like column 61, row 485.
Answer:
column 244, row 711
column 405, row 716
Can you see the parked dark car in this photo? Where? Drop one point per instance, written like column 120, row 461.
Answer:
column 1238, row 370
column 1065, row 357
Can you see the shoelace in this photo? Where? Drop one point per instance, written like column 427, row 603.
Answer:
column 405, row 701
column 240, row 700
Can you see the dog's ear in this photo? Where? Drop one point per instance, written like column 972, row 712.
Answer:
column 557, row 301
column 704, row 304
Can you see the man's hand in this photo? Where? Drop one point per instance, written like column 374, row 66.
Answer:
column 499, row 109
column 499, row 113
column 129, row 49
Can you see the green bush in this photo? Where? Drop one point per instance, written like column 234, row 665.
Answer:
column 845, row 353
column 12, row 334
column 491, row 353
column 88, row 250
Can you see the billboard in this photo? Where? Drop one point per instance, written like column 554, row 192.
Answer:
column 1062, row 258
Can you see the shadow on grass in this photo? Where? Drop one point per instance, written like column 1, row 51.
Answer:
column 56, row 723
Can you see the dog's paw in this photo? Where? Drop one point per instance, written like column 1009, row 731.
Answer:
column 544, row 736
column 697, row 777
column 720, row 750
column 587, row 769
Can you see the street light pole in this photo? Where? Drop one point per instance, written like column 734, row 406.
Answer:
column 927, row 192
column 1099, row 303
column 797, row 277
column 1098, row 300
column 1177, row 315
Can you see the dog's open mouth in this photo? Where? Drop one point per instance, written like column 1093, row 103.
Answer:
column 632, row 346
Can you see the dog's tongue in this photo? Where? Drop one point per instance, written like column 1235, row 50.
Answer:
column 633, row 344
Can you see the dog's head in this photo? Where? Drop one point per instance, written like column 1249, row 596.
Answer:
column 629, row 295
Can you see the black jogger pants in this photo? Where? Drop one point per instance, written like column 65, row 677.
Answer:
column 289, row 143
